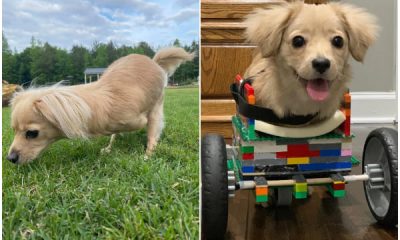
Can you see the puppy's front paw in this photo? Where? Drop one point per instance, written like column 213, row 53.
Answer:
column 105, row 150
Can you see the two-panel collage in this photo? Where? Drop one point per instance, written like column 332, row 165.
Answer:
column 200, row 119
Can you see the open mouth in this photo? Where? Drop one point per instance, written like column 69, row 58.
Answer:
column 317, row 89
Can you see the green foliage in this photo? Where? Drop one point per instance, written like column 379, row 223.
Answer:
column 42, row 63
column 74, row 192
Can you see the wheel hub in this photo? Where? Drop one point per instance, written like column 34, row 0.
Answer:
column 376, row 176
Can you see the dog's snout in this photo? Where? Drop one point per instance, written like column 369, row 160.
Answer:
column 13, row 157
column 321, row 64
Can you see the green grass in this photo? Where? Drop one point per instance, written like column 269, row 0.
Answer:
column 74, row 192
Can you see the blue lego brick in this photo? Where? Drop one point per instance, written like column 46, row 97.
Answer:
column 324, row 166
column 250, row 121
column 330, row 153
column 248, row 169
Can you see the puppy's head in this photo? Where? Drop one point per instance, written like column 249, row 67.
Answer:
column 39, row 117
column 312, row 43
column 33, row 132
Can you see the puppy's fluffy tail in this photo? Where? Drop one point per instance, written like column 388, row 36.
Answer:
column 171, row 58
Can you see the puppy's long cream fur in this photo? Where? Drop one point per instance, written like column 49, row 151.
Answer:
column 281, row 71
column 128, row 96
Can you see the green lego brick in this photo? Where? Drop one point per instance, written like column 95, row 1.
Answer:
column 339, row 193
column 300, row 195
column 300, row 187
column 336, row 193
column 230, row 164
column 261, row 199
column 247, row 149
column 354, row 160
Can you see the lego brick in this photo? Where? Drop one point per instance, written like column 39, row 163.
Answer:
column 251, row 132
column 347, row 98
column 260, row 181
column 347, row 145
column 238, row 79
column 355, row 161
column 247, row 169
column 298, row 147
column 325, row 166
column 261, row 199
column 270, row 162
column 269, row 146
column 300, row 195
column 336, row 193
column 246, row 149
column 300, row 160
column 249, row 90
column 264, row 155
column 261, row 191
column 251, row 99
column 330, row 159
column 339, row 193
column 328, row 146
column 330, row 153
column 294, row 154
column 338, row 186
column 230, row 164
column 346, row 152
column 299, row 178
column 288, row 141
column 300, row 187
column 247, row 156
column 250, row 121
column 248, row 163
column 327, row 140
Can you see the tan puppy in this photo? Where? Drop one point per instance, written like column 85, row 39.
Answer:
column 129, row 96
column 301, row 64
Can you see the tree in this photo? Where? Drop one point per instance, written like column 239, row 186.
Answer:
column 144, row 48
column 9, row 62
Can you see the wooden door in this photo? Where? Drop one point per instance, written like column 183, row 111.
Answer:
column 224, row 53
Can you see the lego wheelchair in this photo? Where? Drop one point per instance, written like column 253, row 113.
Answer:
column 279, row 163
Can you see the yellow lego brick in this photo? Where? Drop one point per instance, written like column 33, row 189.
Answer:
column 300, row 187
column 298, row 160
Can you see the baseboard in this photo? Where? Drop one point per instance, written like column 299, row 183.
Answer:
column 373, row 107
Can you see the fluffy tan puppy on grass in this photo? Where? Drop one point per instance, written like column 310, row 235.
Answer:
column 129, row 96
column 301, row 64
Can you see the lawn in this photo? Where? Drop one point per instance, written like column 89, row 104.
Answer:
column 74, row 192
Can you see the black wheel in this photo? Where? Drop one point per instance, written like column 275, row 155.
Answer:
column 380, row 163
column 214, row 192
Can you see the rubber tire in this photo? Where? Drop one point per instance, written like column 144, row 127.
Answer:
column 388, row 138
column 214, row 192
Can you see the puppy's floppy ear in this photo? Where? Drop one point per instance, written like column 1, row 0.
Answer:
column 360, row 26
column 264, row 27
column 66, row 111
column 41, row 107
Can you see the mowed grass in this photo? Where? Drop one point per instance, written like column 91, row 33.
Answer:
column 74, row 192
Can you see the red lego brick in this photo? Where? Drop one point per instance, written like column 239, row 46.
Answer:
column 339, row 186
column 238, row 78
column 297, row 148
column 249, row 89
column 281, row 155
column 247, row 156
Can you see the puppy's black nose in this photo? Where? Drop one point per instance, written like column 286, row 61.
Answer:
column 321, row 64
column 13, row 157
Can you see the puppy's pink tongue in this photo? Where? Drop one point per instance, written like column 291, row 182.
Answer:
column 318, row 89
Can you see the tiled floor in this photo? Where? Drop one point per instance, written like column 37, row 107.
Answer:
column 318, row 217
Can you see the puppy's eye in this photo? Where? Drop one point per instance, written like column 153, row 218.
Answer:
column 30, row 134
column 338, row 42
column 298, row 41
